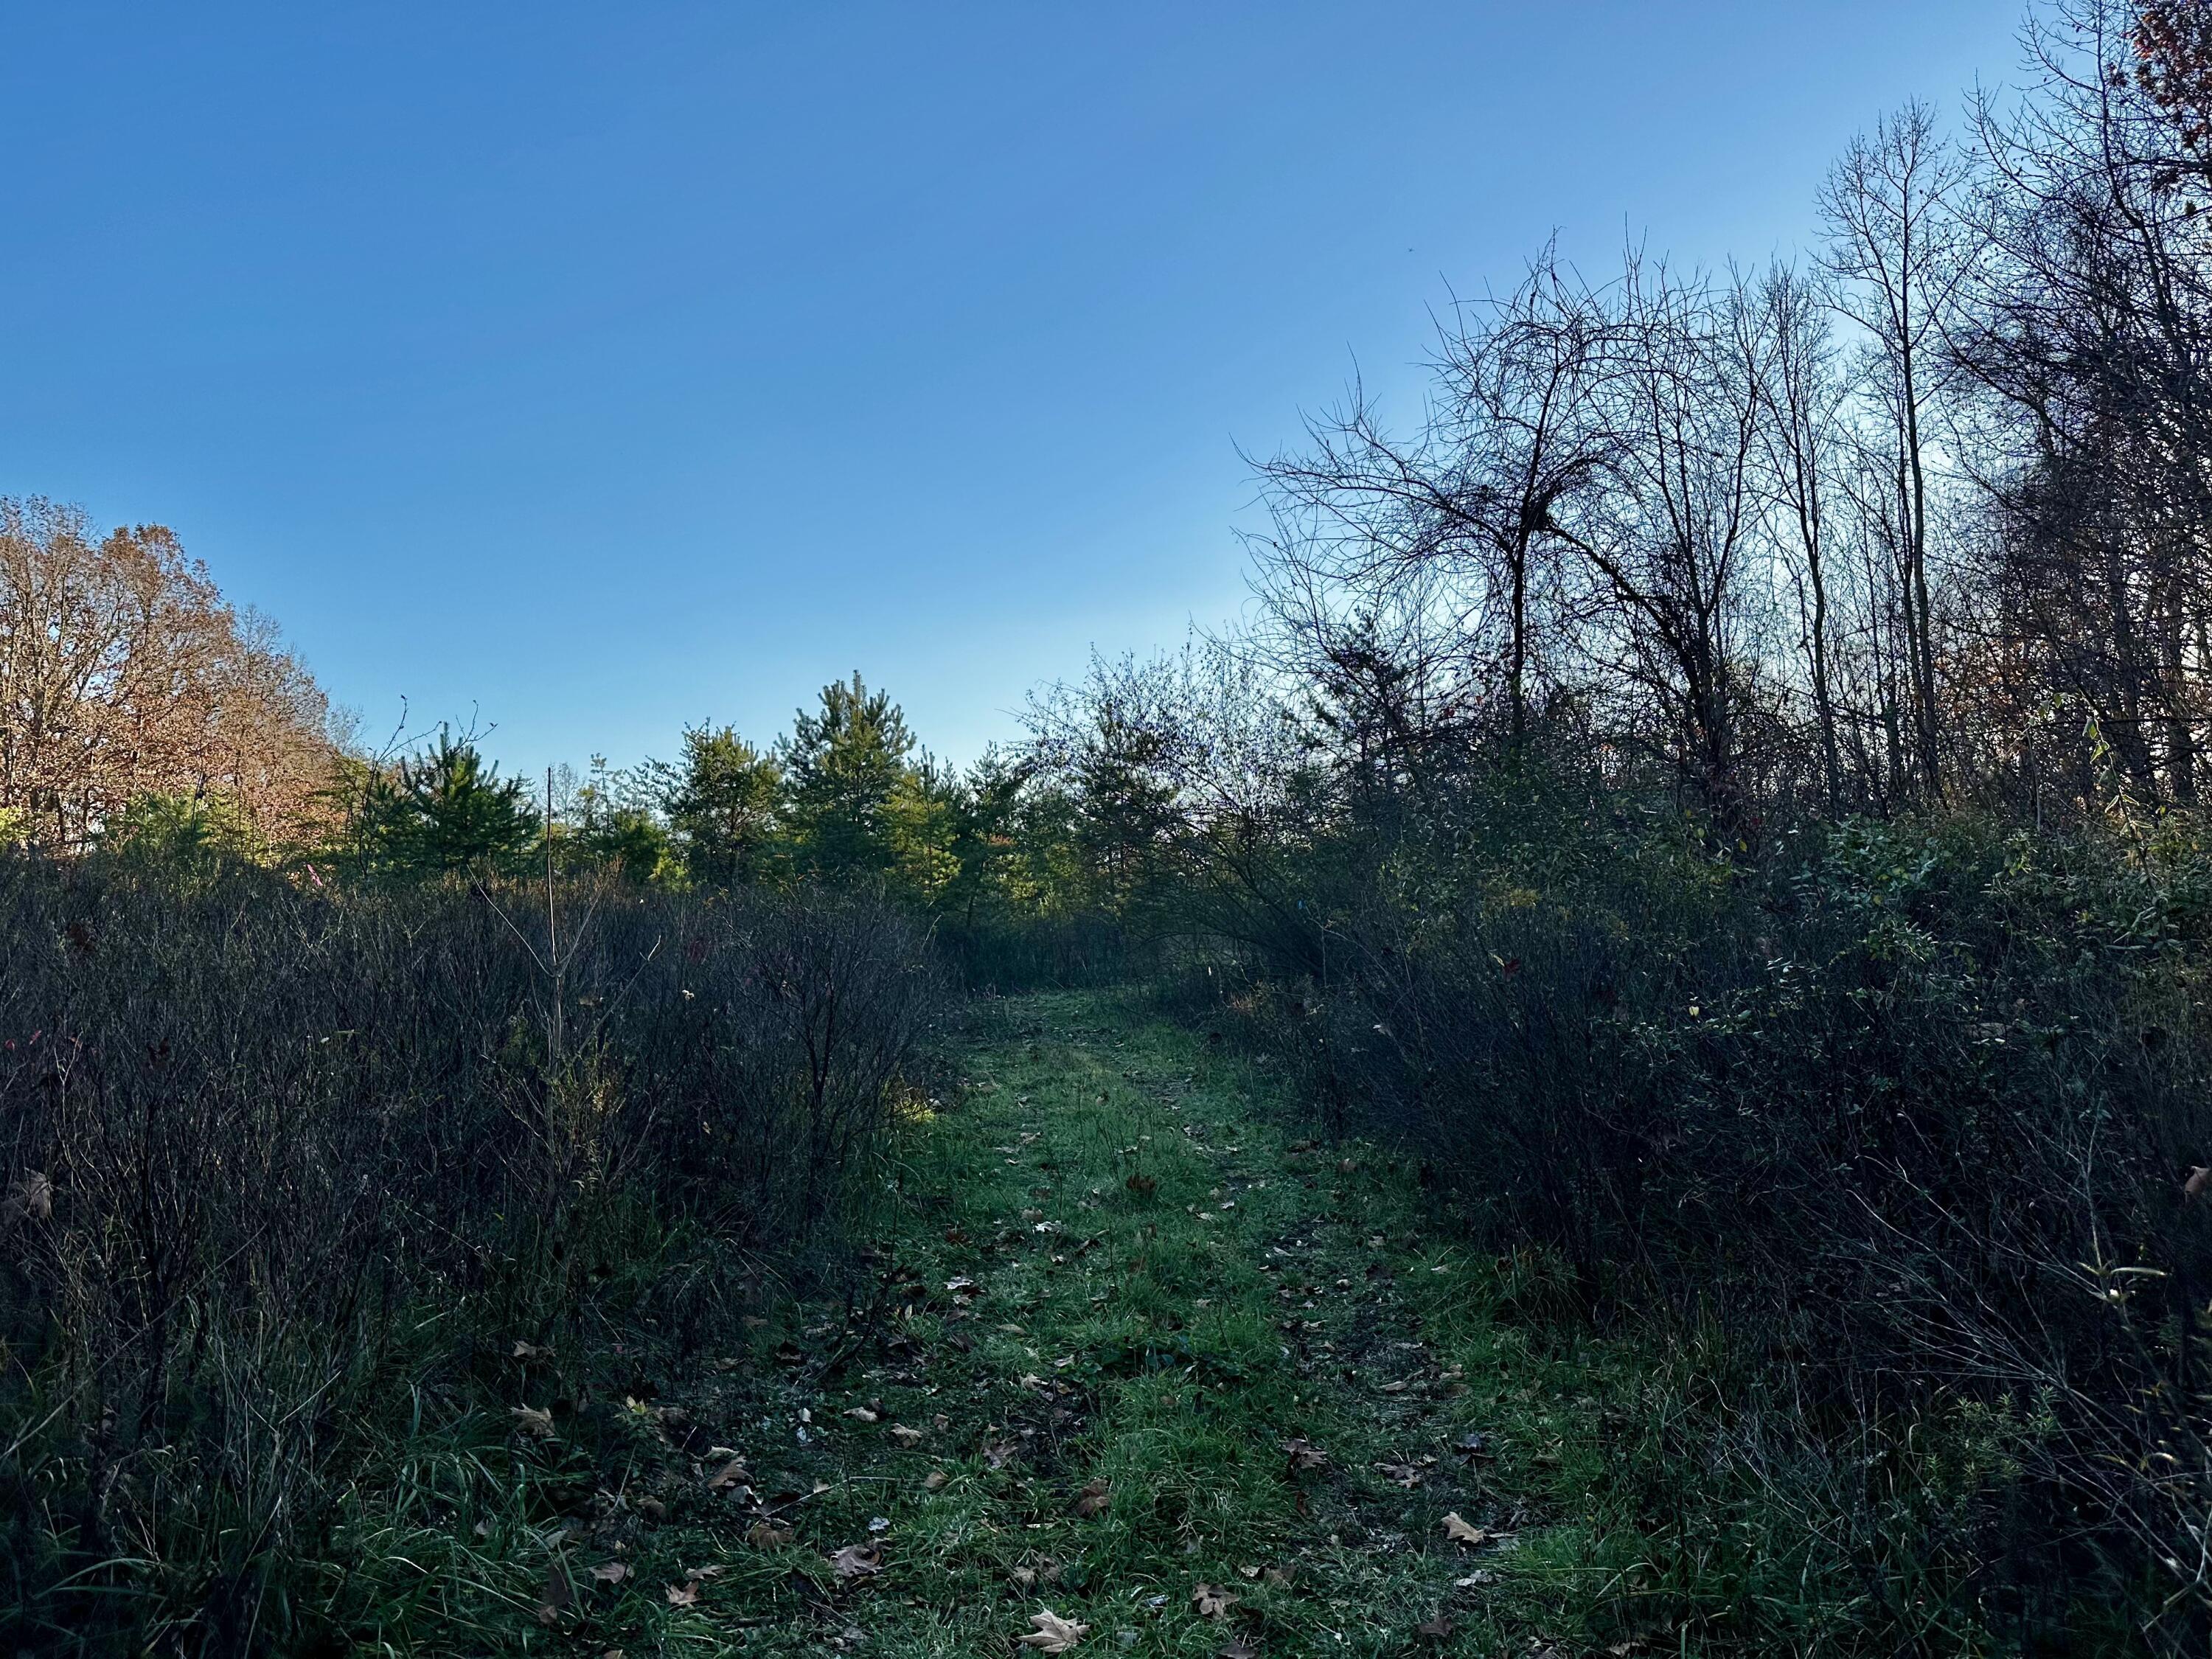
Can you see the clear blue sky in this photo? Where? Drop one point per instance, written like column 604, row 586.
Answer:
column 610, row 367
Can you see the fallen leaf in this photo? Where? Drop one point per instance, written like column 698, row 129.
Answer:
column 861, row 1414
column 682, row 1596
column 934, row 1480
column 731, row 1474
column 1438, row 1627
column 1211, row 1602
column 1460, row 1533
column 905, row 1435
column 767, row 1535
column 1001, row 1453
column 1305, row 1455
column 859, row 1561
column 2199, row 1178
column 1238, row 1649
column 610, row 1572
column 533, row 1350
column 558, row 1594
column 1052, row 1634
column 532, row 1421
column 34, row 1197
column 1096, row 1497
column 1408, row 1475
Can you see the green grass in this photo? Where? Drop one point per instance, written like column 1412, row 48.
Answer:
column 1111, row 1265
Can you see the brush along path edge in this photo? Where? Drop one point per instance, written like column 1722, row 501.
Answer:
column 1144, row 1372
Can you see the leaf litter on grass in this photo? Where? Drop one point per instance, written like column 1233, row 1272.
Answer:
column 1105, row 1420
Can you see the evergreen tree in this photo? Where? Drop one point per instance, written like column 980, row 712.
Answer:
column 443, row 810
column 725, row 807
column 847, row 766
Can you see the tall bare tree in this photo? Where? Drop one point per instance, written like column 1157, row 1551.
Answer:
column 1896, row 253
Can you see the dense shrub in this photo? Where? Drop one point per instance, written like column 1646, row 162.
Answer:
column 1003, row 955
column 253, row 1137
column 1898, row 1123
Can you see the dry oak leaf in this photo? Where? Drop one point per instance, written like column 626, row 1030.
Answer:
column 859, row 1561
column 1096, row 1499
column 767, row 1535
column 610, row 1572
column 1213, row 1603
column 1305, row 1455
column 685, row 1594
column 2199, row 1178
column 532, row 1419
column 532, row 1350
column 861, row 1413
column 557, row 1594
column 905, row 1435
column 934, row 1480
column 1460, row 1532
column 1052, row 1634
column 731, row 1474
column 1439, row 1628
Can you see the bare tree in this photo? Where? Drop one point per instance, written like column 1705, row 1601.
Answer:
column 1896, row 253
column 1467, row 518
column 1675, row 543
column 1801, row 453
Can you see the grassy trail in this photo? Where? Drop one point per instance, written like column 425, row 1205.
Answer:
column 1140, row 1357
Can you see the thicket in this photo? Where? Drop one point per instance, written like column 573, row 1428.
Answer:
column 1892, row 1140
column 293, row 1177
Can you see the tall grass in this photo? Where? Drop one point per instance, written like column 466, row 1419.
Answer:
column 281, row 1166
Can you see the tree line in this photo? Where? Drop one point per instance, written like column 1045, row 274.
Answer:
column 1915, row 522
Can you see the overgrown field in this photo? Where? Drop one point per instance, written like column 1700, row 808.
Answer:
column 429, row 1270
column 298, row 1182
column 1136, row 1364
